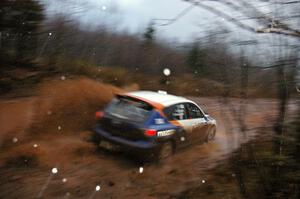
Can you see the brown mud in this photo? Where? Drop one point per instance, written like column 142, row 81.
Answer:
column 51, row 130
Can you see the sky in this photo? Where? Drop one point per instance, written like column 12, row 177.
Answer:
column 135, row 15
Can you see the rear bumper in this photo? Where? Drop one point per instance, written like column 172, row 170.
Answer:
column 140, row 145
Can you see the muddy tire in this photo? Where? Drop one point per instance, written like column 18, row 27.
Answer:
column 96, row 139
column 211, row 134
column 166, row 150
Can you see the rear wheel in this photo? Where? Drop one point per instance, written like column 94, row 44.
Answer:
column 166, row 150
column 96, row 139
column 211, row 134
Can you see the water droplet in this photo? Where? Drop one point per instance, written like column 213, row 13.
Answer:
column 141, row 170
column 98, row 188
column 54, row 170
column 15, row 140
column 167, row 72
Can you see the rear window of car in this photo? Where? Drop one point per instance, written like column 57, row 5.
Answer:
column 129, row 109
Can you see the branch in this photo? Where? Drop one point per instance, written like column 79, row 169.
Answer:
column 222, row 14
column 277, row 27
column 173, row 20
column 279, row 31
column 289, row 2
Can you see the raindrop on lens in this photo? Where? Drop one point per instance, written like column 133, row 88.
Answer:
column 54, row 170
column 141, row 169
column 15, row 140
column 97, row 188
column 167, row 72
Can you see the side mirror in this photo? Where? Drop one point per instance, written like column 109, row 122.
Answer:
column 206, row 117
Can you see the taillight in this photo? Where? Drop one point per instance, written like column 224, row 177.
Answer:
column 99, row 115
column 150, row 132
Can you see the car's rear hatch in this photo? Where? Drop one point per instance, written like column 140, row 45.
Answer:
column 125, row 117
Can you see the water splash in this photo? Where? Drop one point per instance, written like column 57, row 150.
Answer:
column 53, row 172
column 97, row 189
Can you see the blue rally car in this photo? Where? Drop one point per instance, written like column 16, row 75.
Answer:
column 153, row 123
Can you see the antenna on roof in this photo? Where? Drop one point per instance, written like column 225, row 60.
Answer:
column 162, row 92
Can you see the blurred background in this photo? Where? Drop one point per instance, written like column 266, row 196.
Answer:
column 61, row 60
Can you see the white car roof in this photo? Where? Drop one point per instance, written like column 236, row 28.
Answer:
column 161, row 98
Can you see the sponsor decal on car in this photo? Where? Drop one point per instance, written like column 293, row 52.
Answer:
column 165, row 133
column 159, row 121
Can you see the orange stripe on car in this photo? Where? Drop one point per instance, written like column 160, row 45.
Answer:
column 156, row 105
column 175, row 122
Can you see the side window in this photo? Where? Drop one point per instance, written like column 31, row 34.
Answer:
column 194, row 111
column 176, row 112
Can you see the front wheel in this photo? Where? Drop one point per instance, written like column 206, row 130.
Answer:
column 211, row 134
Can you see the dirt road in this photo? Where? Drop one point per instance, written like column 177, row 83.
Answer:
column 27, row 159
